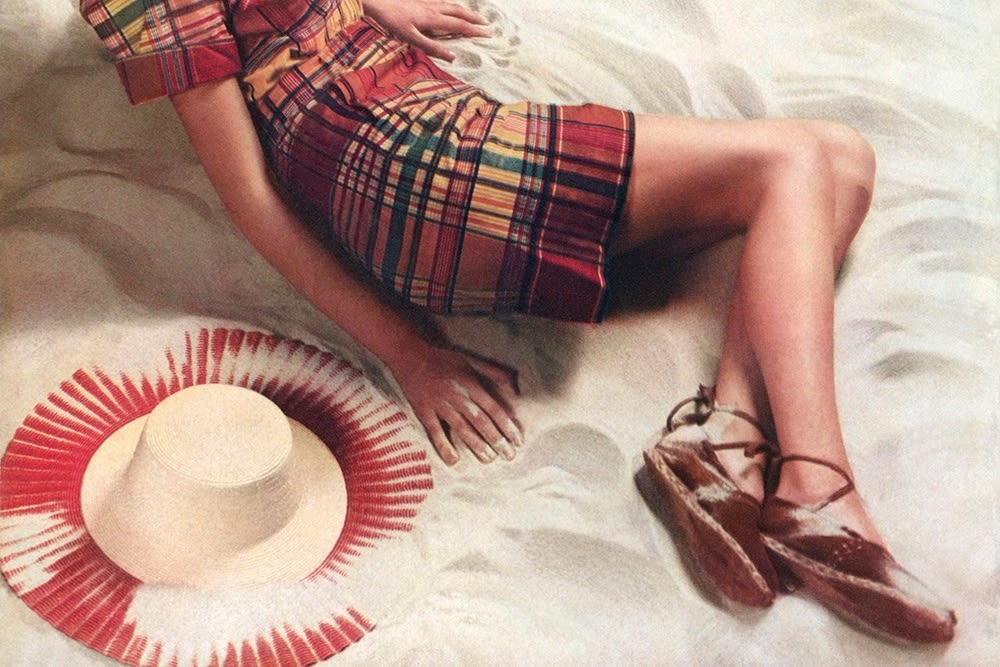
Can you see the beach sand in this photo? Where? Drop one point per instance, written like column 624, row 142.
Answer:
column 113, row 245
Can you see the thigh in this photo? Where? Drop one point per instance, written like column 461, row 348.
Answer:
column 695, row 178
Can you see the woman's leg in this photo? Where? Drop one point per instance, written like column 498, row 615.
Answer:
column 800, row 190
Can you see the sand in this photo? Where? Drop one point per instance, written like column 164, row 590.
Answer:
column 112, row 245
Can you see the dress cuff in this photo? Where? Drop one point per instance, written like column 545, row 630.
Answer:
column 153, row 75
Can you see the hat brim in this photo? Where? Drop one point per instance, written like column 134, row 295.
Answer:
column 52, row 562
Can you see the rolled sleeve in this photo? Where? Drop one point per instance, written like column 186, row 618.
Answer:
column 147, row 77
column 164, row 47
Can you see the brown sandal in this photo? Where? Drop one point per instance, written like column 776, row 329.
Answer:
column 854, row 577
column 718, row 519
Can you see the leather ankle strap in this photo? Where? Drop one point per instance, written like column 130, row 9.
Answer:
column 774, row 473
column 704, row 406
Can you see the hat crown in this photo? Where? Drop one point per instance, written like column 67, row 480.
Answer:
column 209, row 485
column 211, row 471
column 218, row 436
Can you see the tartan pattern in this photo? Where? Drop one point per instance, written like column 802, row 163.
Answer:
column 277, row 36
column 452, row 200
column 456, row 202
column 163, row 47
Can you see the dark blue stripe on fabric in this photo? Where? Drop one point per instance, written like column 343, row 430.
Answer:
column 512, row 270
column 534, row 225
column 366, row 137
column 400, row 206
column 465, row 154
column 412, row 189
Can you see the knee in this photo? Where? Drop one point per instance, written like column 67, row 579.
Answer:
column 796, row 155
column 852, row 159
column 850, row 164
column 843, row 149
column 835, row 155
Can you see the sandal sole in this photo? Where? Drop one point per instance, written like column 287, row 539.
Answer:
column 874, row 607
column 720, row 559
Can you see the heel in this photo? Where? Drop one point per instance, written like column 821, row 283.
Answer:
column 718, row 520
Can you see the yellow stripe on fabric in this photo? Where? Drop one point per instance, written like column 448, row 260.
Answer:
column 128, row 16
column 499, row 178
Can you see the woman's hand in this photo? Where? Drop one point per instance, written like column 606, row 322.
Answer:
column 423, row 23
column 462, row 400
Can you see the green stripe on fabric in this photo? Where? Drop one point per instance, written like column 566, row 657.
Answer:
column 127, row 14
column 504, row 161
column 411, row 165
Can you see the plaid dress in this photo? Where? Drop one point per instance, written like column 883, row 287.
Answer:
column 452, row 200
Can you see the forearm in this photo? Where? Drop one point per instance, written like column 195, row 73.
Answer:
column 222, row 133
column 280, row 237
column 453, row 396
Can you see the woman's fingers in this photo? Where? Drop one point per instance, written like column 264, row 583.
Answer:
column 466, row 416
column 432, row 47
column 459, row 26
column 463, row 13
column 493, row 416
column 463, row 402
column 423, row 22
column 439, row 439
column 444, row 21
column 485, row 423
column 463, row 433
column 429, row 46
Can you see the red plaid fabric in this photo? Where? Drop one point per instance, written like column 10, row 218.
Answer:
column 162, row 47
column 452, row 200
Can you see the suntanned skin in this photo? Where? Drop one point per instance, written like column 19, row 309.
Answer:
column 799, row 190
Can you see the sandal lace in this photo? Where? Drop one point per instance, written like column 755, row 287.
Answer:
column 705, row 406
column 776, row 463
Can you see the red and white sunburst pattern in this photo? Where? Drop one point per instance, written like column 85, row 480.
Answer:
column 50, row 561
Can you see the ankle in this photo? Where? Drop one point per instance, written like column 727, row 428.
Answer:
column 722, row 426
column 829, row 491
column 746, row 472
column 738, row 415
column 739, row 398
column 809, row 484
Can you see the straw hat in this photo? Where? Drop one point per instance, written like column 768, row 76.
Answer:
column 215, row 488
column 208, row 510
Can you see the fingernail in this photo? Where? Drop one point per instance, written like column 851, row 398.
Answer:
column 450, row 454
column 505, row 449
column 487, row 456
column 514, row 433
